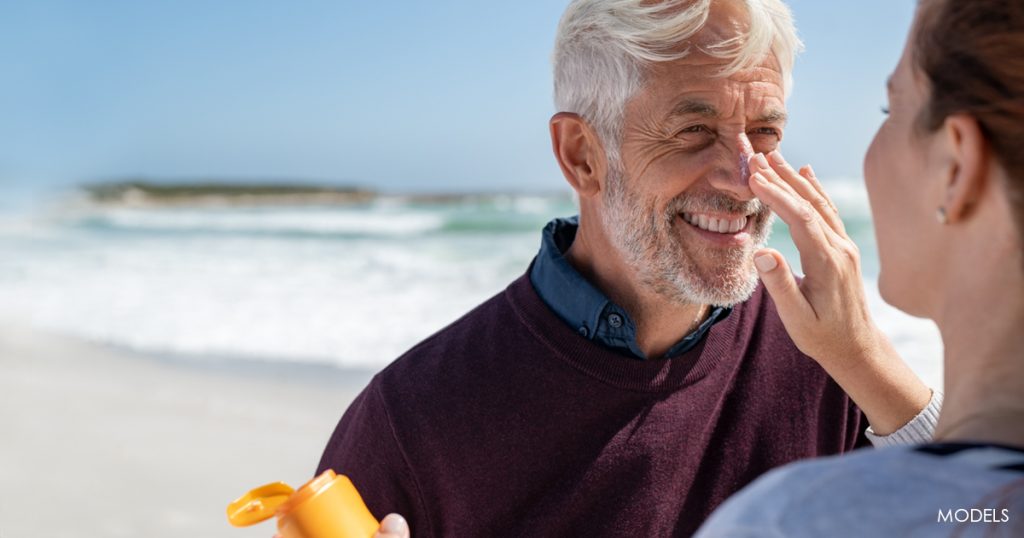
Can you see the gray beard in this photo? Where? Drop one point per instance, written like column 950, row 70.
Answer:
column 682, row 273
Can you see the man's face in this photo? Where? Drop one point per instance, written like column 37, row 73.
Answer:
column 680, row 210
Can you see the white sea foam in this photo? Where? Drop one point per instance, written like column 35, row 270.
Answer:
column 258, row 291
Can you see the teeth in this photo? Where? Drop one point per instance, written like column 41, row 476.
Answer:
column 712, row 224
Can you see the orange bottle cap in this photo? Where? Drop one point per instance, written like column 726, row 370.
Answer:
column 259, row 504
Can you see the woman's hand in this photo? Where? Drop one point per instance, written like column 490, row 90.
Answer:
column 826, row 314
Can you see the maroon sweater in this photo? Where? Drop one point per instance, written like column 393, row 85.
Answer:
column 509, row 423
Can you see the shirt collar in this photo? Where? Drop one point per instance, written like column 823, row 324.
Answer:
column 584, row 307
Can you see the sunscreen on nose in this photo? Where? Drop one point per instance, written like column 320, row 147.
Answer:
column 327, row 506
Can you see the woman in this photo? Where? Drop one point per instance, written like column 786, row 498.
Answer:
column 945, row 175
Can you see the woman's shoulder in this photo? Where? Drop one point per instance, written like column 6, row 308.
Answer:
column 900, row 489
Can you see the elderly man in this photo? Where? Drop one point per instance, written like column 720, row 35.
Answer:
column 636, row 375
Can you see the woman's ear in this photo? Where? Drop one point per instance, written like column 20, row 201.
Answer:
column 579, row 153
column 968, row 165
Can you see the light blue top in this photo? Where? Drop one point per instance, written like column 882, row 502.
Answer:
column 963, row 490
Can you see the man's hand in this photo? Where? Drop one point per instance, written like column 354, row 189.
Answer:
column 826, row 314
column 392, row 526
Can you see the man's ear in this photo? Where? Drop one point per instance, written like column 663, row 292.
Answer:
column 579, row 152
column 968, row 165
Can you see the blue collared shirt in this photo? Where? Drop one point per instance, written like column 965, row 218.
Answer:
column 584, row 307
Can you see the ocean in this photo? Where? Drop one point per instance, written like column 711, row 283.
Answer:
column 345, row 286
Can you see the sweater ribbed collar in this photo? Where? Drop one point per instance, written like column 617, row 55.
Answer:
column 621, row 371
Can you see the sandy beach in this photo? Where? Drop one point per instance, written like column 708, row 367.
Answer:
column 101, row 442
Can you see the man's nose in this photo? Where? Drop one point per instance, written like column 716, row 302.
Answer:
column 732, row 173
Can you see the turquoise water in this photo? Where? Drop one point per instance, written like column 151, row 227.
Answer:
column 350, row 286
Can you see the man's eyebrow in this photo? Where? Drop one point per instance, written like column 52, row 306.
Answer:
column 689, row 108
column 773, row 116
column 700, row 108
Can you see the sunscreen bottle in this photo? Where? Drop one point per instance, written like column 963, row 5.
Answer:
column 327, row 506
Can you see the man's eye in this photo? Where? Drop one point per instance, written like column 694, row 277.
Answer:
column 768, row 131
column 885, row 110
column 695, row 129
column 695, row 137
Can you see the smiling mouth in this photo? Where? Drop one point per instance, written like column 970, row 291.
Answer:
column 725, row 225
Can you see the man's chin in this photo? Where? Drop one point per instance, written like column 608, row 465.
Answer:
column 727, row 288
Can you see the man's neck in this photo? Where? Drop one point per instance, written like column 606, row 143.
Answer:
column 660, row 322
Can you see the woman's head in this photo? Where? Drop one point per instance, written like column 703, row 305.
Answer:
column 945, row 172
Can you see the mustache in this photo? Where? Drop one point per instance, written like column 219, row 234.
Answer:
column 715, row 203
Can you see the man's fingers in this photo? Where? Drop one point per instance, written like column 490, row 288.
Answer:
column 781, row 285
column 393, row 526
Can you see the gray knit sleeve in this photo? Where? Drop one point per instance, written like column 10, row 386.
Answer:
column 919, row 430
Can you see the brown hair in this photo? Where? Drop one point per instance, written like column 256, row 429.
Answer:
column 972, row 54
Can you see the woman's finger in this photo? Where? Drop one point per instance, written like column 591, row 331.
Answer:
column 812, row 178
column 805, row 226
column 778, row 279
column 808, row 173
column 808, row 187
column 761, row 165
column 809, row 232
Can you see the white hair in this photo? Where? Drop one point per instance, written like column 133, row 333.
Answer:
column 603, row 47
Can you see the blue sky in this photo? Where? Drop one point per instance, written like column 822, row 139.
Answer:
column 448, row 95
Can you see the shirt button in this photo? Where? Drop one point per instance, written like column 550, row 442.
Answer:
column 583, row 331
column 615, row 321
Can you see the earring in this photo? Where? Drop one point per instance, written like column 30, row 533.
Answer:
column 941, row 216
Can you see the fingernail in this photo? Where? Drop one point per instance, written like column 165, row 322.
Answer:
column 393, row 523
column 765, row 263
column 760, row 160
column 777, row 157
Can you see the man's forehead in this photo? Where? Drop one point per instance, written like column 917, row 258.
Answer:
column 702, row 90
column 699, row 65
